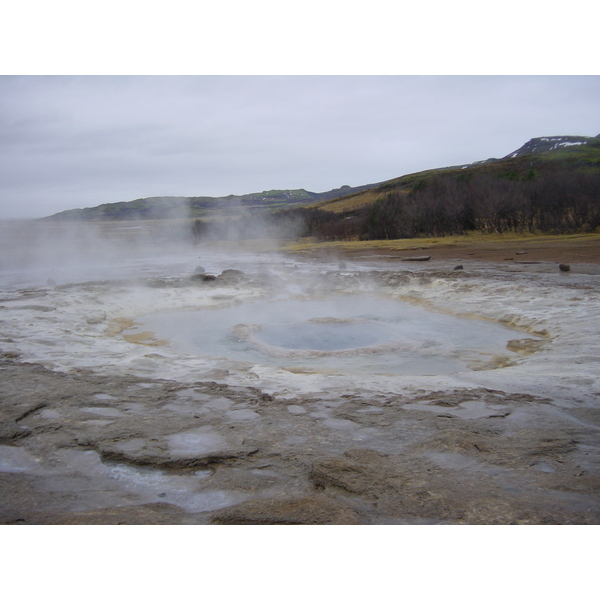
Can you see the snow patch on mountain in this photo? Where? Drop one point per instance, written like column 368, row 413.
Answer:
column 547, row 144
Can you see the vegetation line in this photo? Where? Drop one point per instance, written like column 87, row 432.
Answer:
column 417, row 244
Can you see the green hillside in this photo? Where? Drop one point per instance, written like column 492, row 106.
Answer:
column 178, row 207
column 549, row 185
column 580, row 158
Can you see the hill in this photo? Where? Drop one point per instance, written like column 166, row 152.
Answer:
column 548, row 144
column 550, row 185
column 177, row 207
column 544, row 154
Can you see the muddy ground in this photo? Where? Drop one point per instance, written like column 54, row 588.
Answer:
column 80, row 448
column 446, row 457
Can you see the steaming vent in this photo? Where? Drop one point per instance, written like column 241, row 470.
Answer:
column 340, row 334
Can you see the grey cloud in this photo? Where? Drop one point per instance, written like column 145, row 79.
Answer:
column 68, row 142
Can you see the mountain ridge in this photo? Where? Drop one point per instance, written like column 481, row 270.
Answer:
column 547, row 144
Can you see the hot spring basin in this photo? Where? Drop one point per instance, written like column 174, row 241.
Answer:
column 341, row 334
column 326, row 335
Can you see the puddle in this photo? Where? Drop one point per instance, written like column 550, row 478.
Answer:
column 104, row 397
column 17, row 460
column 180, row 490
column 244, row 414
column 544, row 467
column 451, row 460
column 194, row 442
column 102, row 411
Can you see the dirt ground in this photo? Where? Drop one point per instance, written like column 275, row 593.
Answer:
column 452, row 456
column 583, row 249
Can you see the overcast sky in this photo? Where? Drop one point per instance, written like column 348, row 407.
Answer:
column 70, row 142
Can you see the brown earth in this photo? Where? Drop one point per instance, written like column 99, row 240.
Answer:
column 85, row 449
column 583, row 249
column 575, row 252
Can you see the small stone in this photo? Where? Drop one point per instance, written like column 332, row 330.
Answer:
column 96, row 319
column 232, row 275
column 564, row 267
column 458, row 268
column 416, row 258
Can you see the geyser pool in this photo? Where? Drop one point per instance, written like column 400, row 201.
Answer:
column 339, row 334
column 325, row 335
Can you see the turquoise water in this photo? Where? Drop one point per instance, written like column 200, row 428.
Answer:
column 339, row 334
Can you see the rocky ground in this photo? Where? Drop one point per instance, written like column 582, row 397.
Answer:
column 85, row 449
column 78, row 447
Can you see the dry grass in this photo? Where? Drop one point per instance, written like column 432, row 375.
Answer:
column 576, row 247
column 348, row 203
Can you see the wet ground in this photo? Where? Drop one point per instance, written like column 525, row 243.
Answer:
column 105, row 421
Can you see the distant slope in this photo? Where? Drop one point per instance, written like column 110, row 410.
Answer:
column 177, row 207
column 549, row 185
column 159, row 207
column 537, row 158
column 539, row 155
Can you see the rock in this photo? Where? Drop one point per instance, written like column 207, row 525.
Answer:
column 199, row 270
column 458, row 268
column 96, row 319
column 361, row 472
column 10, row 431
column 159, row 458
column 564, row 267
column 417, row 258
column 231, row 274
column 525, row 346
column 207, row 277
column 313, row 510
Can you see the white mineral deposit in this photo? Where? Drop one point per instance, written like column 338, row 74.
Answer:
column 288, row 390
